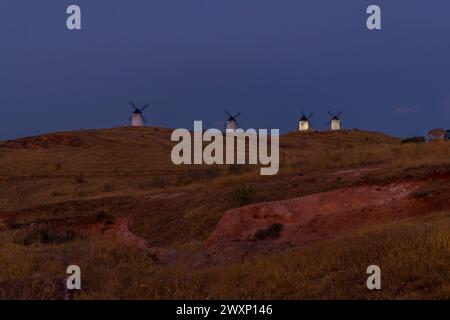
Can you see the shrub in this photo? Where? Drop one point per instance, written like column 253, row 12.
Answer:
column 436, row 135
column 102, row 216
column 234, row 169
column 80, row 179
column 45, row 236
column 422, row 194
column 108, row 188
column 159, row 182
column 271, row 233
column 243, row 195
column 238, row 169
column 414, row 140
column 83, row 191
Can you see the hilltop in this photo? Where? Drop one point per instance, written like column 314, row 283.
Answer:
column 112, row 200
column 131, row 160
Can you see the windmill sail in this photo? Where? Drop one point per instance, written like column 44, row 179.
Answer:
column 304, row 123
column 137, row 117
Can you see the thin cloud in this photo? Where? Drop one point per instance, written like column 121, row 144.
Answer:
column 404, row 109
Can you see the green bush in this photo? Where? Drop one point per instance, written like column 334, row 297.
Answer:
column 243, row 195
column 414, row 140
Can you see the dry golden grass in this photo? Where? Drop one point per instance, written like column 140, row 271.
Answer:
column 414, row 257
column 335, row 269
column 118, row 171
column 390, row 154
column 130, row 161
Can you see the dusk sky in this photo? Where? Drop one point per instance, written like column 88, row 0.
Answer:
column 192, row 59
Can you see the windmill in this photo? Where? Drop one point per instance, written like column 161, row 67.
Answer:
column 137, row 118
column 335, row 122
column 232, row 123
column 304, row 123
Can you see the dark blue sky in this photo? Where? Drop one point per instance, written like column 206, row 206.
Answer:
column 191, row 59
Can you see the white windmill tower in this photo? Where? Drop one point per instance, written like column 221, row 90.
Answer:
column 304, row 123
column 335, row 122
column 232, row 123
column 137, row 117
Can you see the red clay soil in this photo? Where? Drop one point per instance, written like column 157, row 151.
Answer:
column 116, row 229
column 279, row 225
column 267, row 227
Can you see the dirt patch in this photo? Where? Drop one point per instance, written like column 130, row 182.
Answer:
column 355, row 173
column 275, row 226
column 55, row 231
column 279, row 225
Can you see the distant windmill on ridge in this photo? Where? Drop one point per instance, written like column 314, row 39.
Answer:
column 232, row 123
column 335, row 122
column 137, row 117
column 304, row 123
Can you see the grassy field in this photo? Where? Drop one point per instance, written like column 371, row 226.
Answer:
column 127, row 173
column 413, row 256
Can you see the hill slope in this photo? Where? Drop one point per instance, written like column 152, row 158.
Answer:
column 88, row 196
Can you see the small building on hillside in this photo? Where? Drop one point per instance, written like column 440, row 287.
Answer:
column 335, row 122
column 304, row 124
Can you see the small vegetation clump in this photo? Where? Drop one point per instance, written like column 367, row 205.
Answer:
column 195, row 175
column 414, row 140
column 436, row 135
column 243, row 195
column 271, row 233
column 159, row 182
column 102, row 216
column 45, row 236
column 108, row 187
column 234, row 169
column 80, row 179
column 83, row 191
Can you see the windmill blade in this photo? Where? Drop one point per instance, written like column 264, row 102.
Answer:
column 228, row 114
column 144, row 107
column 312, row 113
column 331, row 115
column 237, row 115
column 220, row 124
column 133, row 105
column 340, row 113
column 303, row 114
